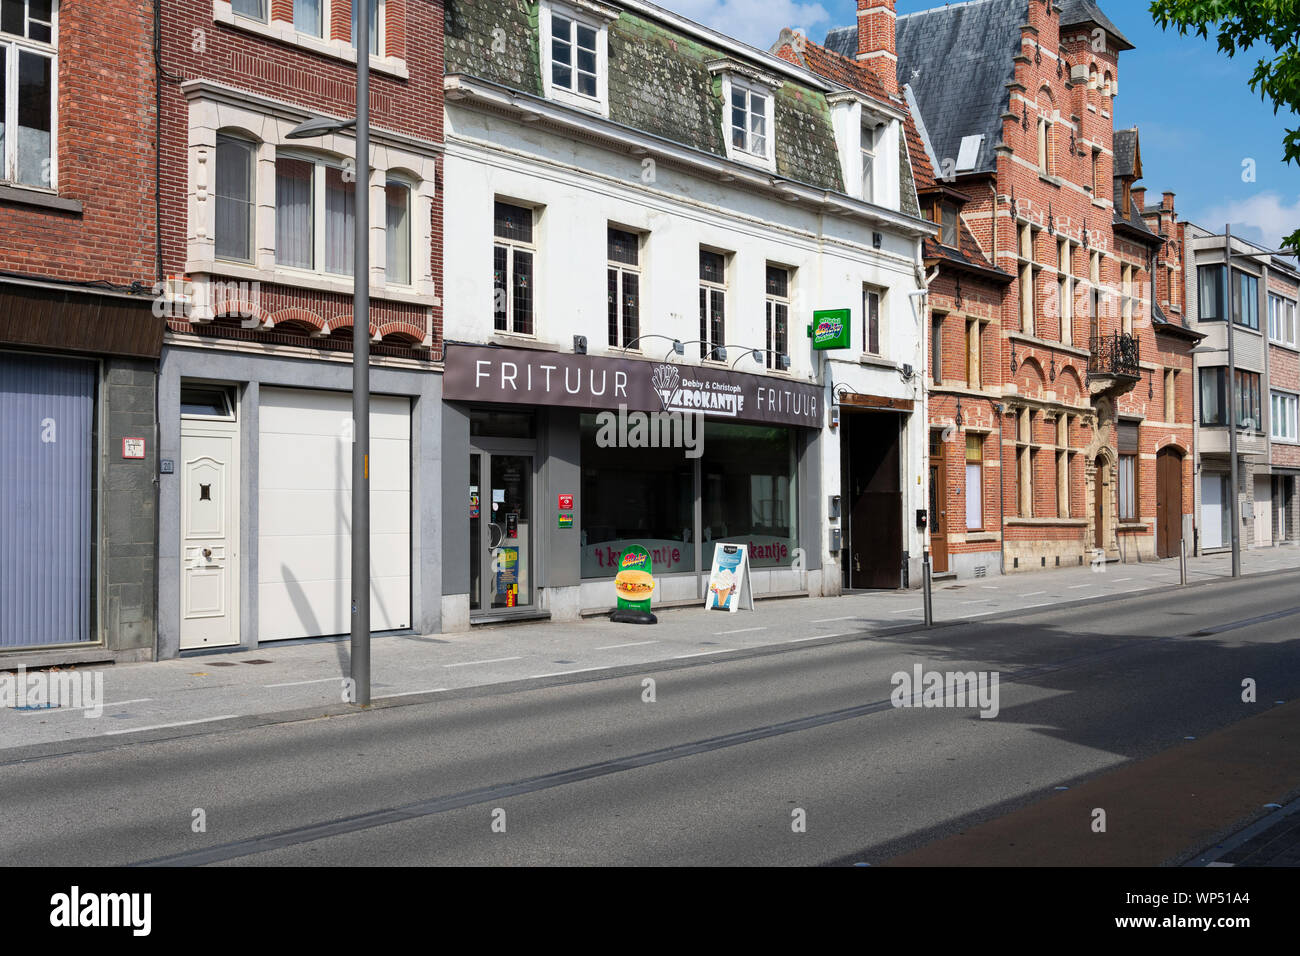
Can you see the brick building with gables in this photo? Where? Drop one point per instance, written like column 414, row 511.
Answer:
column 1061, row 386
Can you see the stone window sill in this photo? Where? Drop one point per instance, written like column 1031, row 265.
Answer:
column 39, row 198
column 980, row 537
column 1049, row 522
column 285, row 33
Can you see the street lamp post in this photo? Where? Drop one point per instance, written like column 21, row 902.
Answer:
column 360, row 655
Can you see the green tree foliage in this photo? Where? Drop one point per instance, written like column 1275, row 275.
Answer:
column 1240, row 25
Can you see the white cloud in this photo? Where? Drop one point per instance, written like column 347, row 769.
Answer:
column 1264, row 218
column 758, row 24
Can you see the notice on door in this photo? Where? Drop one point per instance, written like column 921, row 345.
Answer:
column 729, row 579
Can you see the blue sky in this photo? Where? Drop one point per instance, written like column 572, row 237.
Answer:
column 1198, row 117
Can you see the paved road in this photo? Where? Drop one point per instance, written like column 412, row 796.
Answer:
column 714, row 771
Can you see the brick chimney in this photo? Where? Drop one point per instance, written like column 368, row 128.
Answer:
column 1168, row 203
column 1140, row 197
column 876, row 24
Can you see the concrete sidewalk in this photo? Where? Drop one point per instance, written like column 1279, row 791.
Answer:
column 272, row 680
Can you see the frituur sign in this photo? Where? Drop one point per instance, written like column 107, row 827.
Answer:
column 482, row 374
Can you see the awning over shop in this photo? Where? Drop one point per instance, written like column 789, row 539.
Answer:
column 73, row 320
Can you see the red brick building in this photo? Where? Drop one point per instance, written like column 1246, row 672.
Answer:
column 1062, row 395
column 257, row 244
column 79, row 343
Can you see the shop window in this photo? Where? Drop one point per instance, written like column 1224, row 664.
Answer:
column 748, row 474
column 643, row 496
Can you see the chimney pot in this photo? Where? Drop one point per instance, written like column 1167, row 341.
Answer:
column 876, row 41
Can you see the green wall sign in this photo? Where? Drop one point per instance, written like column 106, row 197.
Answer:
column 831, row 329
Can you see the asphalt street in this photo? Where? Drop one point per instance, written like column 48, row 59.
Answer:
column 721, row 768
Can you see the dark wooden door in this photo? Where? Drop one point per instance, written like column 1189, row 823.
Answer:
column 1099, row 501
column 938, row 504
column 875, row 496
column 1169, row 503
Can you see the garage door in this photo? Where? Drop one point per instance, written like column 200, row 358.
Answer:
column 305, row 508
column 47, row 413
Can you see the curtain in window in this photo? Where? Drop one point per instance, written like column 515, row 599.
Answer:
column 340, row 222
column 398, row 201
column 249, row 8
column 974, row 496
column 1127, row 486
column 234, row 195
column 374, row 25
column 4, row 110
column 294, row 241
column 306, row 16
column 34, row 115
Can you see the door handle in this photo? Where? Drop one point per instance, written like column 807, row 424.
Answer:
column 207, row 554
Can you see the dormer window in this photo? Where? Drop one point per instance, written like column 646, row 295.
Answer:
column 749, row 119
column 575, row 52
column 749, row 110
column 870, row 138
column 948, row 225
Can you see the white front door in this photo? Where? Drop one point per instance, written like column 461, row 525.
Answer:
column 209, row 476
column 1263, row 512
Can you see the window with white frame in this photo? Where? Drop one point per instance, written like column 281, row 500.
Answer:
column 1281, row 320
column 1285, row 426
column 397, row 218
column 713, row 303
column 28, row 73
column 1065, row 292
column 623, row 287
column 778, row 314
column 514, row 258
column 234, row 195
column 315, row 215
column 309, row 17
column 750, row 110
column 974, row 482
column 575, row 53
column 253, row 9
column 870, row 139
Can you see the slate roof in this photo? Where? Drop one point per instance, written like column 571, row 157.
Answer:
column 1087, row 11
column 1126, row 152
column 957, row 60
column 659, row 83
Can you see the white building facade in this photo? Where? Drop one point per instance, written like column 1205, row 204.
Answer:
column 664, row 211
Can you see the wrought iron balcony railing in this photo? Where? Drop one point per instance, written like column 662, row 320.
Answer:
column 1114, row 355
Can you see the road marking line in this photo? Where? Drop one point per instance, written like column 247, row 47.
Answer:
column 908, row 610
column 495, row 660
column 1075, row 587
column 720, row 650
column 989, row 587
column 817, row 637
column 300, row 683
column 1033, row 594
column 580, row 670
column 182, row 723
column 614, row 647
column 832, row 620
column 410, row 693
column 1122, row 580
column 743, row 630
